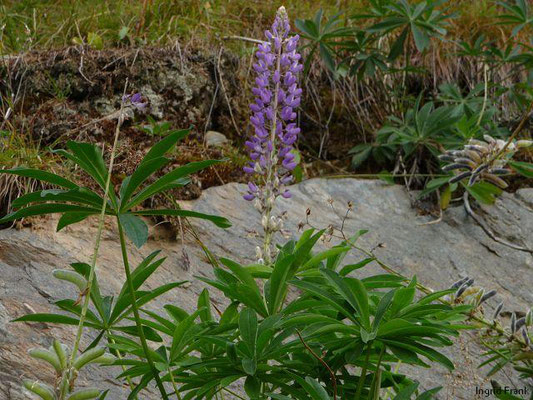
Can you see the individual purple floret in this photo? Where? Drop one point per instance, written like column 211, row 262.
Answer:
column 274, row 121
column 135, row 100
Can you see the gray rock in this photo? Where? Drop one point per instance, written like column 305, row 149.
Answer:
column 436, row 253
column 215, row 139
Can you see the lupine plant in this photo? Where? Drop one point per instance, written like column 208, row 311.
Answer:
column 275, row 130
column 301, row 323
column 76, row 203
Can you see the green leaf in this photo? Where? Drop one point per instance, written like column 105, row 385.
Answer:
column 316, row 390
column 169, row 178
column 204, row 303
column 402, row 298
column 353, row 291
column 47, row 317
column 43, row 209
column 522, row 167
column 421, row 37
column 70, row 218
column 143, row 172
column 248, row 328
column 283, row 271
column 135, row 228
column 383, row 305
column 324, row 296
column 484, row 192
column 397, row 47
column 180, row 337
column 407, row 392
column 221, row 222
column 252, row 387
column 89, row 157
column 42, row 176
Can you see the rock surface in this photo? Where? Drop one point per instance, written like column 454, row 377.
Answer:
column 438, row 254
column 215, row 139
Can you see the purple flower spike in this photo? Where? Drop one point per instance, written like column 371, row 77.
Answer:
column 277, row 96
column 273, row 111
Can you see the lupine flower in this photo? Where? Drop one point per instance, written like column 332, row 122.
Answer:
column 135, row 100
column 273, row 111
column 275, row 129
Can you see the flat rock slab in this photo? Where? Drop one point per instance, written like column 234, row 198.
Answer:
column 437, row 253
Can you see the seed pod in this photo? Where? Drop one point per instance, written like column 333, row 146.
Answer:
column 460, row 177
column 461, row 291
column 458, row 284
column 496, row 180
column 87, row 357
column 469, row 282
column 524, row 143
column 500, row 171
column 467, row 161
column 476, row 142
column 520, row 323
column 473, row 155
column 529, row 317
column 480, row 169
column 498, row 310
column 479, row 149
column 446, row 157
column 72, row 277
column 48, row 356
column 473, row 179
column 84, row 394
column 525, row 335
column 513, row 323
column 487, row 296
column 489, row 139
column 61, row 354
column 105, row 359
column 451, row 167
column 40, row 389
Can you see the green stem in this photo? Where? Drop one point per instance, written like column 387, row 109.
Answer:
column 174, row 386
column 377, row 374
column 363, row 373
column 135, row 309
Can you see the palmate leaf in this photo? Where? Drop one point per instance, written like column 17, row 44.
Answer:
column 168, row 179
column 152, row 162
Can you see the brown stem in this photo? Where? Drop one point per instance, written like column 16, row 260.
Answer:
column 325, row 364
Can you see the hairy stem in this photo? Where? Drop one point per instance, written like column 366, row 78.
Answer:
column 136, row 315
